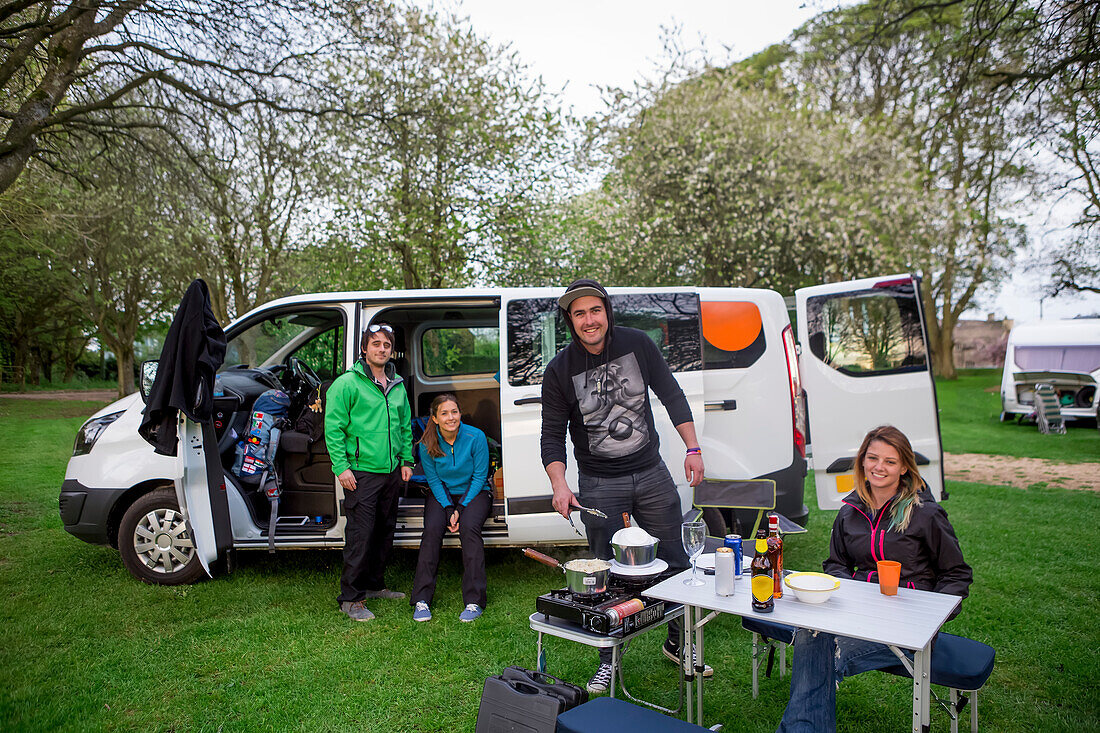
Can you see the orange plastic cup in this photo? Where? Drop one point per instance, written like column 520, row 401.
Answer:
column 889, row 573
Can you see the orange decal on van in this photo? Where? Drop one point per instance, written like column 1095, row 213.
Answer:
column 731, row 326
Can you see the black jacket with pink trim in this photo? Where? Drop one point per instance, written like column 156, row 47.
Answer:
column 928, row 549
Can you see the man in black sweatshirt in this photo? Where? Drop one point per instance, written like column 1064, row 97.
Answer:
column 598, row 387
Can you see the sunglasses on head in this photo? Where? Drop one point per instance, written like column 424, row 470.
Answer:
column 376, row 327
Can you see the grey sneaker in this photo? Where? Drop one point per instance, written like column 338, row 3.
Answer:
column 356, row 610
column 384, row 593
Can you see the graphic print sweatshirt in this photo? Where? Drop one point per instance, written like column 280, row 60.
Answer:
column 604, row 400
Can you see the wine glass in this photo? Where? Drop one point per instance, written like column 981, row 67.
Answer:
column 693, row 535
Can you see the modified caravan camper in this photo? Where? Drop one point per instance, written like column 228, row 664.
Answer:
column 1064, row 354
column 864, row 362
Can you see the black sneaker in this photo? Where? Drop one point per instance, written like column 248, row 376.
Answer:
column 600, row 681
column 673, row 654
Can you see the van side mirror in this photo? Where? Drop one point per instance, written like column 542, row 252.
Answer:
column 148, row 376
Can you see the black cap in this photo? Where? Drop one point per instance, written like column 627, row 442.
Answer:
column 578, row 290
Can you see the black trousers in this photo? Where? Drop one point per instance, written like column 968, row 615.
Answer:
column 371, row 512
column 470, row 521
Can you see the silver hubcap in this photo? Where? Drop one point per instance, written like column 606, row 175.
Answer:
column 161, row 541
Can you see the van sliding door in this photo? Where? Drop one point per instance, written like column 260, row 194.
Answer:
column 864, row 363
column 536, row 332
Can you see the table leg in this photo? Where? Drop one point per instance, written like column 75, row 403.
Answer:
column 540, row 661
column 922, row 692
column 699, row 664
column 685, row 669
column 616, row 660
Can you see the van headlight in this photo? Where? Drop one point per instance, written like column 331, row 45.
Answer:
column 89, row 433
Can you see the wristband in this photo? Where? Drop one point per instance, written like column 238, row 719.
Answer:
column 695, row 451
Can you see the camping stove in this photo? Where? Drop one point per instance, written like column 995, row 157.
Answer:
column 615, row 612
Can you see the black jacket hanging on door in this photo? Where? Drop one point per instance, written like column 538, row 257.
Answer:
column 193, row 350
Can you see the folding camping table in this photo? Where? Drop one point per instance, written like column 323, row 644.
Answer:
column 856, row 609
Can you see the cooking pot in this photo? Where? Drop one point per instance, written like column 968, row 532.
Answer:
column 631, row 549
column 580, row 580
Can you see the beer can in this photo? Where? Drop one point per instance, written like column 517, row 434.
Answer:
column 733, row 541
column 724, row 558
column 622, row 610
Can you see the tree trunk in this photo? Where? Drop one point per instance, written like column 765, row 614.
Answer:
column 126, row 383
column 943, row 353
column 19, row 366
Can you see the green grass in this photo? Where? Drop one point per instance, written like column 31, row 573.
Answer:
column 78, row 383
column 969, row 423
column 83, row 646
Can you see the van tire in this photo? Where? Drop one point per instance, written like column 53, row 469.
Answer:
column 154, row 543
column 716, row 525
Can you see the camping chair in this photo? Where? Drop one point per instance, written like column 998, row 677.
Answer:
column 1048, row 411
column 960, row 664
column 758, row 494
column 767, row 637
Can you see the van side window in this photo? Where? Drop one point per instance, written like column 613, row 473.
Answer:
column 865, row 332
column 537, row 332
column 733, row 334
column 460, row 350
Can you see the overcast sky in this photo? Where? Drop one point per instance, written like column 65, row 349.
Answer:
column 579, row 46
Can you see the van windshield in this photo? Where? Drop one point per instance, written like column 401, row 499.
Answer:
column 1085, row 358
column 314, row 336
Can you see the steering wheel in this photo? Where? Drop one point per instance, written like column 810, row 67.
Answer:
column 304, row 374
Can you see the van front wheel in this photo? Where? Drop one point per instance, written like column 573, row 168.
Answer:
column 154, row 542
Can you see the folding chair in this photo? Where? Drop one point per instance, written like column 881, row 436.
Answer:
column 758, row 494
column 1048, row 411
column 767, row 637
column 962, row 665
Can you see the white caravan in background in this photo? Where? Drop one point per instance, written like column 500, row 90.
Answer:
column 1065, row 354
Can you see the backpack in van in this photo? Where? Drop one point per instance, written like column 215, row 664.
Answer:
column 256, row 452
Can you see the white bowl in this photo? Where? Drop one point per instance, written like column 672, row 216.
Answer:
column 812, row 587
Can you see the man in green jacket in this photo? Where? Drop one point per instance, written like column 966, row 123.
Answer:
column 368, row 431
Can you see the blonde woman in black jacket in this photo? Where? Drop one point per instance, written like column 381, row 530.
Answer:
column 890, row 516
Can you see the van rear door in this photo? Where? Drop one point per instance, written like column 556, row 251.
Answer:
column 754, row 425
column 865, row 362
column 535, row 334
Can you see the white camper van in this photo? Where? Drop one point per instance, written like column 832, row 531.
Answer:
column 1065, row 354
column 864, row 362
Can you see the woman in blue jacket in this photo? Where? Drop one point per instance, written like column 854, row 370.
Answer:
column 455, row 458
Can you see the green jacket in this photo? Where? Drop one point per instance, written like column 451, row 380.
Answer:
column 366, row 429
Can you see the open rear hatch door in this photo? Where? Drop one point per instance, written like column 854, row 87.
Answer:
column 865, row 362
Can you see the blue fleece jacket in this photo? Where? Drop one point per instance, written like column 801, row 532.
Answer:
column 462, row 471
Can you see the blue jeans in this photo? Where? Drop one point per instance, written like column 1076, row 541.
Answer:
column 821, row 661
column 649, row 495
